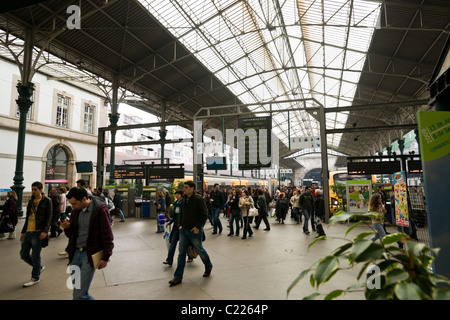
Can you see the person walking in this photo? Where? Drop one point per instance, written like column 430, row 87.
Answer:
column 263, row 212
column 319, row 209
column 281, row 207
column 174, row 236
column 34, row 231
column 89, row 231
column 10, row 213
column 55, row 196
column 217, row 204
column 295, row 202
column 245, row 203
column 161, row 210
column 117, row 200
column 193, row 217
column 376, row 206
column 307, row 206
column 235, row 212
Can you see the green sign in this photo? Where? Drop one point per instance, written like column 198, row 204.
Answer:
column 434, row 130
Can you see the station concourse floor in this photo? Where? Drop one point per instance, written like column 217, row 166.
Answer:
column 258, row 268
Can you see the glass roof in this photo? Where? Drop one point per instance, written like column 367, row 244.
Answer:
column 266, row 50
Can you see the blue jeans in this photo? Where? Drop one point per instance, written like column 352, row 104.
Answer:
column 307, row 214
column 86, row 273
column 31, row 242
column 187, row 238
column 380, row 231
column 217, row 223
column 236, row 218
column 120, row 214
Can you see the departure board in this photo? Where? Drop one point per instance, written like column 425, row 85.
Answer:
column 129, row 174
column 380, row 167
column 257, row 136
column 165, row 173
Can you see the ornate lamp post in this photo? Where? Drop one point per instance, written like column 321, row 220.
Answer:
column 24, row 102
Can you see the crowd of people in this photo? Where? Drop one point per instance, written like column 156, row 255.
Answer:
column 85, row 217
column 303, row 203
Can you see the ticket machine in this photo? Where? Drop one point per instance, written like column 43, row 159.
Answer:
column 148, row 202
column 128, row 194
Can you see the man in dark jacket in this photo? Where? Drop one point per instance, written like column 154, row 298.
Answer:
column 193, row 217
column 307, row 204
column 89, row 230
column 54, row 195
column 263, row 211
column 218, row 201
column 35, row 229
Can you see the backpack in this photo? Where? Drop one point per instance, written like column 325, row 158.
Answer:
column 283, row 203
column 109, row 204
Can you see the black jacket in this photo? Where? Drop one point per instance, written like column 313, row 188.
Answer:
column 218, row 198
column 43, row 215
column 262, row 206
column 193, row 212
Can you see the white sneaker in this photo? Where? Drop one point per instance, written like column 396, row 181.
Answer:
column 31, row 283
column 63, row 254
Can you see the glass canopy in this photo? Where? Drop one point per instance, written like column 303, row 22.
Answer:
column 266, row 50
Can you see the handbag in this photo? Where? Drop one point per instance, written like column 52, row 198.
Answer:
column 6, row 226
column 191, row 252
column 252, row 212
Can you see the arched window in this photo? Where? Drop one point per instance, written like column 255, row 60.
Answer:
column 57, row 166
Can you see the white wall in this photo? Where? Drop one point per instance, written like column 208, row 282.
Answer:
column 41, row 132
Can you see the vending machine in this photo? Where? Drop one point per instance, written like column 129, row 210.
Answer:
column 128, row 194
column 148, row 202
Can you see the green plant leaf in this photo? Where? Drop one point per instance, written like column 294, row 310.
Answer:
column 359, row 247
column 312, row 296
column 340, row 216
column 317, row 239
column 353, row 227
column 363, row 235
column 342, row 248
column 333, row 294
column 441, row 294
column 415, row 247
column 392, row 238
column 312, row 281
column 396, row 275
column 373, row 252
column 325, row 268
column 299, row 277
column 407, row 291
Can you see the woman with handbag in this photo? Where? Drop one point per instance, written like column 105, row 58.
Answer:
column 246, row 203
column 9, row 216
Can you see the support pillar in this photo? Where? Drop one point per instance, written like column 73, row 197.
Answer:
column 25, row 89
column 24, row 102
column 324, row 155
column 114, row 119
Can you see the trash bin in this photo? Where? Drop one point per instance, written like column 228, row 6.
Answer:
column 138, row 204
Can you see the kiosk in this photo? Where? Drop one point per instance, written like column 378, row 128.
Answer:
column 128, row 194
column 148, row 202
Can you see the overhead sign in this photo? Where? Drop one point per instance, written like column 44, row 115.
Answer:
column 305, row 142
column 257, row 136
column 127, row 173
column 381, row 167
column 414, row 166
column 165, row 173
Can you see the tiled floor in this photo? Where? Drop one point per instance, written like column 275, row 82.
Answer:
column 258, row 268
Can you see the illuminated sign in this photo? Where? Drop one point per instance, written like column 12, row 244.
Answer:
column 383, row 167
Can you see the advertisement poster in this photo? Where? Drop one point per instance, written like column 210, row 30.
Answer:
column 401, row 200
column 358, row 195
column 434, row 140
